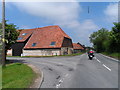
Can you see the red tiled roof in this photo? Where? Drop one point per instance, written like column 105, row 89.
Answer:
column 77, row 46
column 25, row 37
column 43, row 37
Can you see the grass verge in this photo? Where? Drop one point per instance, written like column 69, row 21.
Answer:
column 75, row 54
column 17, row 76
column 114, row 55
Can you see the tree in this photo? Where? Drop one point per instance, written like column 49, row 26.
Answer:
column 114, row 38
column 11, row 35
column 0, row 39
column 99, row 39
column 107, row 41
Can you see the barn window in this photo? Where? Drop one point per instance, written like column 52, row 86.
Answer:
column 34, row 44
column 52, row 43
column 24, row 34
column 19, row 38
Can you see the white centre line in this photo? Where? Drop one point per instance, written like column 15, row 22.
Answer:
column 99, row 61
column 106, row 67
column 103, row 64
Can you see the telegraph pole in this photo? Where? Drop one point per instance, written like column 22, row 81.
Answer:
column 3, row 33
column 88, row 9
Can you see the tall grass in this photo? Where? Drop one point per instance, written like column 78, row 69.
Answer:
column 114, row 55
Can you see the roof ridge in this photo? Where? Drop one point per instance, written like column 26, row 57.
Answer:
column 40, row 27
column 65, row 35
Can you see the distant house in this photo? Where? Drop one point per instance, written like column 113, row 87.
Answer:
column 77, row 48
column 45, row 41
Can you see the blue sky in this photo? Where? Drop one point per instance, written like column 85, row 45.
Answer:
column 73, row 17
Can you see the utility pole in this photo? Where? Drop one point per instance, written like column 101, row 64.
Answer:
column 88, row 9
column 118, row 23
column 3, row 33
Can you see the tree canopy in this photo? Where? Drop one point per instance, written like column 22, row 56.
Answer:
column 11, row 35
column 106, row 41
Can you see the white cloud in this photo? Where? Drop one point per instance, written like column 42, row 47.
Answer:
column 52, row 11
column 24, row 27
column 111, row 12
column 64, row 14
column 81, row 31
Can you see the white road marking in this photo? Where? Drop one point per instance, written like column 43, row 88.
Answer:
column 99, row 61
column 58, row 85
column 106, row 67
column 82, row 55
column 60, row 81
column 66, row 75
column 103, row 64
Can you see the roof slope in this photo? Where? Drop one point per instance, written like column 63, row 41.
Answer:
column 43, row 37
column 25, row 37
column 77, row 46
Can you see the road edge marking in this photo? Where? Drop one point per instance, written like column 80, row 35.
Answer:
column 110, row 58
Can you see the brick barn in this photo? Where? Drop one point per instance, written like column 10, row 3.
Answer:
column 45, row 41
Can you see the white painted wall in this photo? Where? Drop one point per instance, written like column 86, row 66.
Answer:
column 9, row 52
column 45, row 52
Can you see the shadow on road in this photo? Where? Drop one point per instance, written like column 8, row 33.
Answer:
column 9, row 61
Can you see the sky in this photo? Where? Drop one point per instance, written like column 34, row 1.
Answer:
column 74, row 18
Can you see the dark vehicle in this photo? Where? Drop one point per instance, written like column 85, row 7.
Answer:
column 90, row 56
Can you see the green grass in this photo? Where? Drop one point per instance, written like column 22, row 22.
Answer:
column 114, row 55
column 0, row 77
column 17, row 76
column 49, row 56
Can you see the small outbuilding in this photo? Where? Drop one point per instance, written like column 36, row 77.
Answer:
column 77, row 47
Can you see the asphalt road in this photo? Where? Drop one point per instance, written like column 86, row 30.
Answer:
column 76, row 71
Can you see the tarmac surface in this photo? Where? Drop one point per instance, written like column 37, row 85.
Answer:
column 76, row 71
